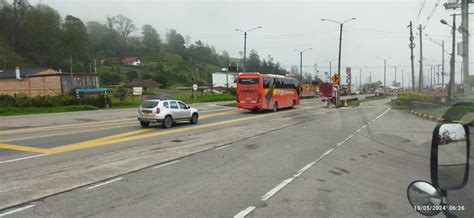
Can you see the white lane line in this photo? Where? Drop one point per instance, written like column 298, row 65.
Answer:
column 23, row 158
column 16, row 210
column 244, row 213
column 363, row 127
column 166, row 164
column 277, row 188
column 285, row 182
column 105, row 183
column 225, row 146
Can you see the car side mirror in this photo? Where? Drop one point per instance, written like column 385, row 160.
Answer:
column 424, row 198
column 450, row 156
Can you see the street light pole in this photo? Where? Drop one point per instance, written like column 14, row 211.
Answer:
column 301, row 62
column 245, row 42
column 384, row 73
column 341, row 24
column 453, row 58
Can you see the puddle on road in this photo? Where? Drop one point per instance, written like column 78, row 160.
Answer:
column 251, row 146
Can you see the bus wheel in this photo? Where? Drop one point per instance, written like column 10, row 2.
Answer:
column 275, row 107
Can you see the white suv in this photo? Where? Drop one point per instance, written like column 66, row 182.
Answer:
column 166, row 112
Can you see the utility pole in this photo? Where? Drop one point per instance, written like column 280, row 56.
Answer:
column 301, row 66
column 396, row 85
column 402, row 80
column 420, row 79
column 412, row 57
column 4, row 63
column 453, row 61
column 245, row 42
column 437, row 74
column 384, row 75
column 465, row 44
column 95, row 66
column 360, row 80
column 442, row 64
column 301, row 62
column 70, row 65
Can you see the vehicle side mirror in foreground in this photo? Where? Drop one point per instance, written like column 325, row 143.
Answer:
column 450, row 156
column 424, row 198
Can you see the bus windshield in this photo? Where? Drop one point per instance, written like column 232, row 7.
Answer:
column 248, row 81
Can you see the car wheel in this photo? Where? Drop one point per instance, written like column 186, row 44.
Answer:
column 167, row 122
column 144, row 123
column 293, row 103
column 194, row 118
column 275, row 107
column 254, row 110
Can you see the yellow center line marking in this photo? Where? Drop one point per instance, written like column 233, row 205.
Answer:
column 93, row 141
column 90, row 144
column 63, row 133
column 24, row 148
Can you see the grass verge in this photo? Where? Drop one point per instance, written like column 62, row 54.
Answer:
column 10, row 111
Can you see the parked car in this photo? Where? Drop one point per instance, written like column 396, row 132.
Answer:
column 166, row 112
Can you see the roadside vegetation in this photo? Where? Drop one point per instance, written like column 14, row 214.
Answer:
column 422, row 103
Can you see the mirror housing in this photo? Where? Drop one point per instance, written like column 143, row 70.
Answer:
column 449, row 161
column 424, row 198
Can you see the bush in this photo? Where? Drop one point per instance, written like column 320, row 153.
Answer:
column 53, row 101
column 413, row 96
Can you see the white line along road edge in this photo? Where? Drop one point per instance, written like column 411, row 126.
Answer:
column 166, row 164
column 105, row 183
column 285, row 182
column 16, row 210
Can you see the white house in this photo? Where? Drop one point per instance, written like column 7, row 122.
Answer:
column 132, row 61
column 220, row 79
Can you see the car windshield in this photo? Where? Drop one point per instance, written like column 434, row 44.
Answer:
column 234, row 108
column 149, row 104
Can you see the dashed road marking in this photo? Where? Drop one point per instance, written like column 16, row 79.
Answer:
column 16, row 210
column 287, row 181
column 105, row 183
column 166, row 164
column 244, row 213
column 23, row 158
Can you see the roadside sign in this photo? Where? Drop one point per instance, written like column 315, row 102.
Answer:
column 195, row 87
column 137, row 90
column 335, row 78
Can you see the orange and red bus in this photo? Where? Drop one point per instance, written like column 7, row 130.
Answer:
column 257, row 91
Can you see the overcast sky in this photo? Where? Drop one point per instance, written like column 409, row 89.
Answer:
column 380, row 29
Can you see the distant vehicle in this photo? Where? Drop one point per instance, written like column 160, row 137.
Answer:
column 166, row 112
column 256, row 91
column 326, row 92
column 308, row 90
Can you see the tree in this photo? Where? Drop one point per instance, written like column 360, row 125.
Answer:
column 103, row 40
column 132, row 75
column 150, row 39
column 175, row 41
column 123, row 25
column 74, row 39
column 20, row 8
column 253, row 63
column 39, row 34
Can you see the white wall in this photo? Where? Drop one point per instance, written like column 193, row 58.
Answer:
column 219, row 79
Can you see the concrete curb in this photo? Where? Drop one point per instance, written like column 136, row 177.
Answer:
column 434, row 118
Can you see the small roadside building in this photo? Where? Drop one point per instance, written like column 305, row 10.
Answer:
column 220, row 79
column 30, row 82
column 131, row 61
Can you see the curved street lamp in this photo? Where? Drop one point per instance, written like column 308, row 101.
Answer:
column 245, row 41
column 341, row 24
column 301, row 62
